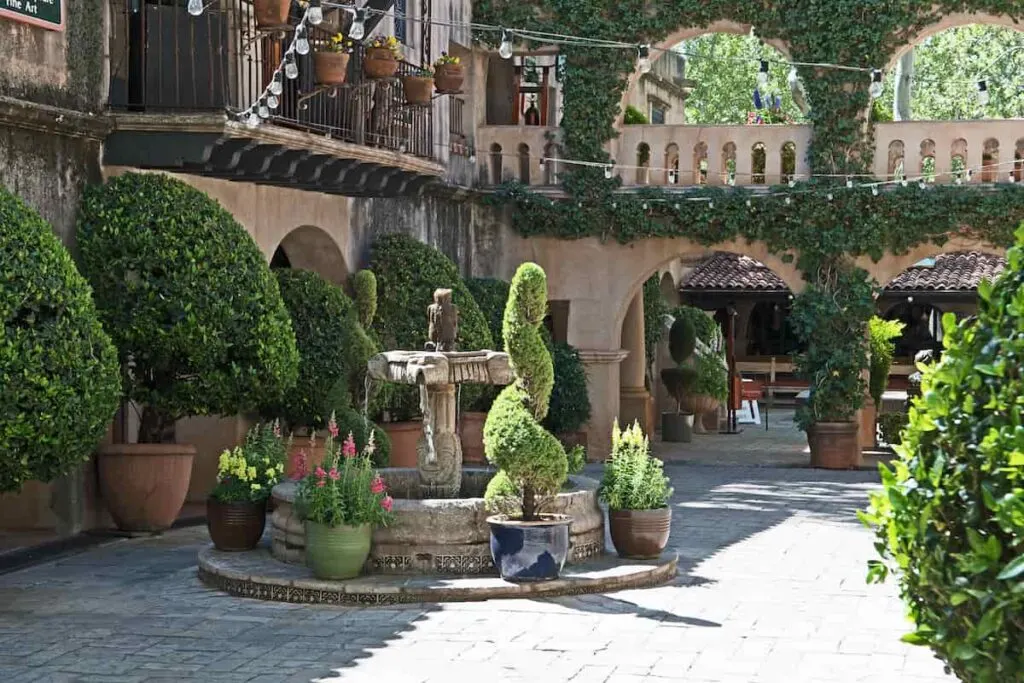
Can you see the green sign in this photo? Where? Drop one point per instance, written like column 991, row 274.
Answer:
column 44, row 13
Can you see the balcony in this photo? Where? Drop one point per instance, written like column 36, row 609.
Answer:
column 174, row 77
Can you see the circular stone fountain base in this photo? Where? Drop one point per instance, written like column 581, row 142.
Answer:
column 441, row 536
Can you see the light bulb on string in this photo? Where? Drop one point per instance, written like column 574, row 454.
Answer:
column 676, row 206
column 608, row 172
column 830, row 196
column 1013, row 177
column 505, row 49
column 749, row 203
column 983, row 94
column 877, row 87
column 254, row 120
column 472, row 159
column 921, row 185
column 762, row 74
column 301, row 42
column 711, row 205
column 645, row 207
column 788, row 201
column 291, row 70
column 195, row 7
column 643, row 63
column 849, row 183
column 263, row 111
column 874, row 190
column 792, row 182
column 903, row 182
column 541, row 162
column 275, row 85
column 272, row 101
column 315, row 13
column 358, row 29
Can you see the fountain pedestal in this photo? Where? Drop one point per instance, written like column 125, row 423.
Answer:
column 440, row 463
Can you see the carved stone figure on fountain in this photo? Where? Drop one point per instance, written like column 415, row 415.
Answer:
column 443, row 320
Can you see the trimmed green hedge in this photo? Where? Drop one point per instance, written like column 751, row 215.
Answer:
column 569, row 408
column 188, row 299
column 59, row 379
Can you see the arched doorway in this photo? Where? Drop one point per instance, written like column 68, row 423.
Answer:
column 310, row 248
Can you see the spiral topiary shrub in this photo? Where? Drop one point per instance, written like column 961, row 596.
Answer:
column 950, row 520
column 364, row 289
column 682, row 340
column 59, row 380
column 188, row 299
column 532, row 463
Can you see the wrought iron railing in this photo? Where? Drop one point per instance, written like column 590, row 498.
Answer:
column 165, row 60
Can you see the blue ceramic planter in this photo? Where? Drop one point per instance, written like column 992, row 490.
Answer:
column 529, row 551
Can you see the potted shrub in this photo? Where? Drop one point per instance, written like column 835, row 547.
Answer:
column 710, row 386
column 418, row 86
column 341, row 502
column 682, row 340
column 408, row 271
column 380, row 60
column 198, row 322
column 330, row 62
column 60, row 382
column 637, row 494
column 490, row 295
column 271, row 13
column 448, row 74
column 569, row 409
column 949, row 520
column 830, row 319
column 881, row 334
column 236, row 510
column 526, row 544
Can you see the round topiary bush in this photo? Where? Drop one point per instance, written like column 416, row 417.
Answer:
column 59, row 381
column 950, row 520
column 408, row 272
column 364, row 289
column 188, row 299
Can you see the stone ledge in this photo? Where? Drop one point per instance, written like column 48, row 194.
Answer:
column 255, row 574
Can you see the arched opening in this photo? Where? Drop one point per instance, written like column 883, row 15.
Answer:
column 643, row 163
column 1018, row 161
column 524, row 163
column 496, row 164
column 552, row 154
column 788, row 162
column 990, row 161
column 927, row 166
column 958, row 160
column 311, row 248
column 896, row 160
column 758, row 163
column 700, row 163
column 729, row 163
column 672, row 164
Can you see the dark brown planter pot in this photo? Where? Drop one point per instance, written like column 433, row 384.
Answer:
column 868, row 425
column 448, row 78
column 235, row 526
column 379, row 62
column 834, row 445
column 404, row 436
column 640, row 534
column 271, row 13
column 144, row 484
column 676, row 428
column 418, row 89
column 472, row 433
column 331, row 67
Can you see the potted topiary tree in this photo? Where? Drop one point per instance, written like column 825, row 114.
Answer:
column 881, row 334
column 950, row 518
column 710, row 386
column 637, row 494
column 526, row 544
column 60, row 382
column 682, row 340
column 198, row 322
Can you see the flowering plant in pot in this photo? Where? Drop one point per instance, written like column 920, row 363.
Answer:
column 381, row 57
column 526, row 544
column 637, row 493
column 418, row 85
column 236, row 510
column 448, row 74
column 342, row 501
column 330, row 61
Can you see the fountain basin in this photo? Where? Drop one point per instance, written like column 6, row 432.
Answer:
column 441, row 536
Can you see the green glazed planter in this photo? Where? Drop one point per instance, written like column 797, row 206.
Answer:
column 337, row 552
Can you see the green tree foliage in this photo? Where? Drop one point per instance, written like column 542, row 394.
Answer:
column 190, row 303
column 364, row 289
column 531, row 460
column 950, row 520
column 655, row 310
column 490, row 295
column 633, row 480
column 570, row 403
column 59, row 380
column 881, row 334
column 634, row 116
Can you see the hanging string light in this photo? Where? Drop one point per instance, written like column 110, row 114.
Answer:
column 762, row 74
column 301, row 42
column 358, row 30
column 195, row 7
column 315, row 13
column 983, row 94
column 608, row 171
column 505, row 49
column 291, row 69
column 643, row 63
column 877, row 87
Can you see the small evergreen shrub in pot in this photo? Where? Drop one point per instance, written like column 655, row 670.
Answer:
column 198, row 322
column 341, row 501
column 526, row 544
column 236, row 511
column 950, row 517
column 708, row 388
column 637, row 493
column 682, row 340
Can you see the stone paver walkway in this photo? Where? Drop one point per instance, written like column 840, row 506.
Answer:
column 771, row 588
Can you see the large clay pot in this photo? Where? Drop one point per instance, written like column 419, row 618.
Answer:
column 145, row 484
column 337, row 552
column 235, row 526
column 418, row 89
column 314, row 453
column 271, row 13
column 834, row 445
column 379, row 62
column 640, row 534
column 676, row 428
column 331, row 67
column 868, row 425
column 448, row 78
column 404, row 436
column 698, row 404
column 472, row 434
column 529, row 551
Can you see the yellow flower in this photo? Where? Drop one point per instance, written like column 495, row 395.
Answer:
column 271, row 472
column 252, row 473
column 255, row 487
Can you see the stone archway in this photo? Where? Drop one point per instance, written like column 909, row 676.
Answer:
column 949, row 21
column 891, row 265
column 310, row 248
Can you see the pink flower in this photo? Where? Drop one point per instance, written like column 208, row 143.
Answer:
column 386, row 503
column 378, row 485
column 300, row 466
column 333, row 474
column 349, row 447
column 320, row 474
column 277, row 428
column 320, row 484
column 332, row 427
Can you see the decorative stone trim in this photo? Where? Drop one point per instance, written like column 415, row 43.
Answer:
column 602, row 357
column 48, row 119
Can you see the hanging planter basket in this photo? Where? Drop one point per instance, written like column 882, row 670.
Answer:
column 418, row 89
column 448, row 78
column 379, row 62
column 271, row 13
column 331, row 67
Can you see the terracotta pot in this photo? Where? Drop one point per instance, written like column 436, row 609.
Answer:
column 698, row 404
column 145, row 484
column 834, row 445
column 331, row 67
column 235, row 526
column 337, row 552
column 676, row 428
column 640, row 534
column 271, row 13
column 314, row 455
column 418, row 89
column 404, row 436
column 379, row 62
column 472, row 433
column 448, row 78
column 868, row 425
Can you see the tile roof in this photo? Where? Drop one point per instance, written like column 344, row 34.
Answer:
column 725, row 271
column 961, row 271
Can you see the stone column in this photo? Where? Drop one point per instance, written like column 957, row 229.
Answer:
column 602, row 368
column 636, row 402
column 440, row 468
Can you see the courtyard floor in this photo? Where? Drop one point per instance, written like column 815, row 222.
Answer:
column 771, row 588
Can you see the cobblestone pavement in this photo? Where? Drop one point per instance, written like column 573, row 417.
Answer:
column 771, row 588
